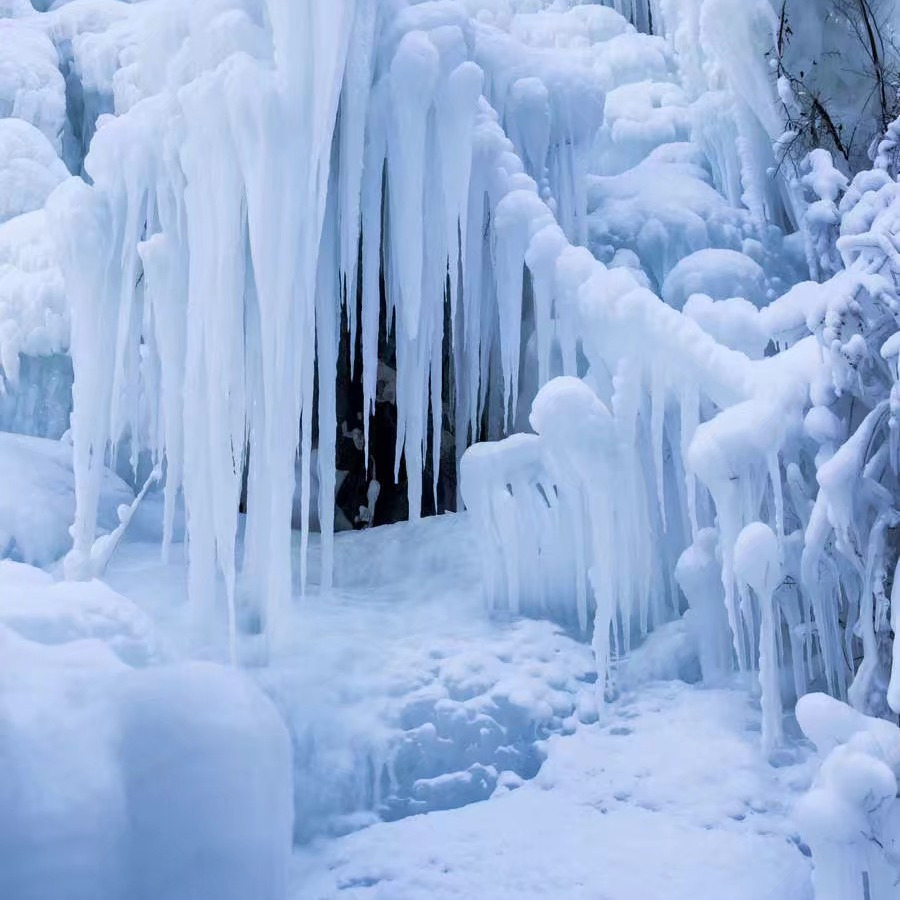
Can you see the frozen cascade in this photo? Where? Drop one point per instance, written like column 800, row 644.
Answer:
column 174, row 255
column 210, row 210
column 211, row 327
column 562, row 218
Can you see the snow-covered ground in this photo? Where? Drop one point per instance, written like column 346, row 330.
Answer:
column 668, row 798
column 436, row 752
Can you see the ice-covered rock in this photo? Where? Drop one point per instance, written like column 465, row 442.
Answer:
column 34, row 312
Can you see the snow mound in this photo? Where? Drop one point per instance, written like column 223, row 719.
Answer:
column 720, row 274
column 50, row 612
column 34, row 315
column 31, row 85
column 118, row 780
column 851, row 815
column 29, row 168
column 37, row 504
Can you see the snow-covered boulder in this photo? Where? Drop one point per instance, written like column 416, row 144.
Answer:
column 58, row 612
column 206, row 777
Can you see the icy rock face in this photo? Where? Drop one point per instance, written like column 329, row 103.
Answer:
column 410, row 83
column 33, row 307
column 120, row 778
column 41, row 401
column 31, row 85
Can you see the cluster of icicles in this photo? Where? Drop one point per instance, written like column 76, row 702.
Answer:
column 230, row 217
column 761, row 491
column 234, row 215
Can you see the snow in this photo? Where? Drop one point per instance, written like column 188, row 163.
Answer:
column 34, row 313
column 120, row 778
column 400, row 698
column 206, row 776
column 397, row 668
column 54, row 613
column 610, row 814
column 851, row 816
column 719, row 274
column 29, row 168
column 31, row 85
column 37, row 504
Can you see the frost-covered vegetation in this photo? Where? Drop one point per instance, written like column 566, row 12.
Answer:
column 622, row 277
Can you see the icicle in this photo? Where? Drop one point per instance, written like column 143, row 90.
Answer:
column 214, row 375
column 165, row 288
column 83, row 222
column 774, row 467
column 371, row 208
column 474, row 298
column 354, row 108
column 105, row 546
column 413, row 78
column 511, row 230
column 657, row 428
column 860, row 691
column 757, row 564
column 543, row 250
column 455, row 118
column 328, row 297
column 893, row 695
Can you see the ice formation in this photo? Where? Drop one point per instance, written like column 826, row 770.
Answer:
column 851, row 816
column 581, row 229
